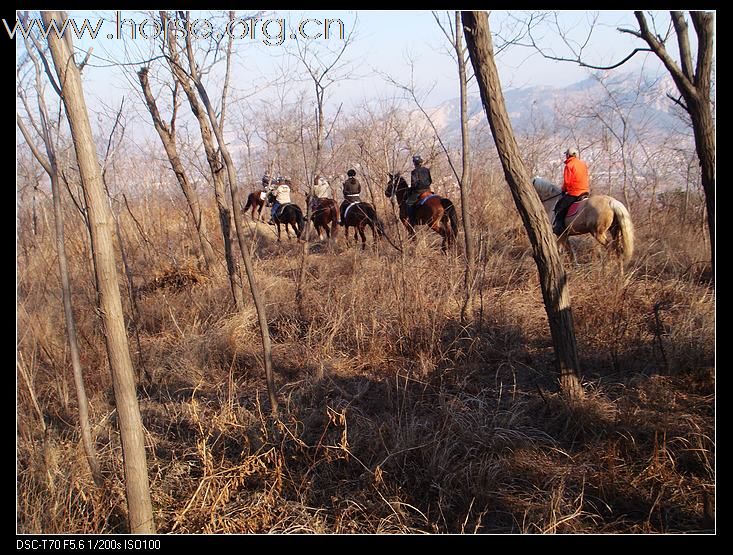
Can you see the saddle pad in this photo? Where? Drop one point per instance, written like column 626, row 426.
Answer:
column 575, row 208
column 263, row 195
column 282, row 207
column 423, row 200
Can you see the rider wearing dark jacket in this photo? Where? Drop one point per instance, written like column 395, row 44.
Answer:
column 352, row 190
column 420, row 181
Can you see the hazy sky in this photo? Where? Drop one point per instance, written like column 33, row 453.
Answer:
column 384, row 43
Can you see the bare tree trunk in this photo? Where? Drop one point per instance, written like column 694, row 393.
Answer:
column 123, row 378
column 695, row 89
column 51, row 168
column 50, row 165
column 225, row 218
column 553, row 279
column 465, row 181
column 239, row 226
column 305, row 235
column 168, row 138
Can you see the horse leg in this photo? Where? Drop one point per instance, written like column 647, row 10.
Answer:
column 448, row 226
column 361, row 227
column 567, row 246
column 277, row 224
column 607, row 243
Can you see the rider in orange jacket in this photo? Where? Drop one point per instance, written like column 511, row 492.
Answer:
column 575, row 185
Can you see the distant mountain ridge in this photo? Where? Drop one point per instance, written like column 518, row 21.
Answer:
column 638, row 98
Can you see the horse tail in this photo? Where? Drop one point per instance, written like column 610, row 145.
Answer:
column 450, row 210
column 249, row 203
column 334, row 212
column 299, row 221
column 622, row 231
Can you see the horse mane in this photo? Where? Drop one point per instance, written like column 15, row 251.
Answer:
column 398, row 181
column 545, row 188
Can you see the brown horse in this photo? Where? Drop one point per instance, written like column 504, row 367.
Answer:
column 430, row 209
column 324, row 215
column 359, row 215
column 256, row 200
column 288, row 214
column 599, row 215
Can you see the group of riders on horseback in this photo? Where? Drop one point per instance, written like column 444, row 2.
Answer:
column 278, row 189
column 575, row 187
column 419, row 205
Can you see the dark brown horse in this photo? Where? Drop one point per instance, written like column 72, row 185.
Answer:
column 288, row 214
column 256, row 200
column 359, row 215
column 430, row 209
column 324, row 215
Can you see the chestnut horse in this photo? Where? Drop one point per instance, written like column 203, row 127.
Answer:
column 288, row 214
column 359, row 215
column 430, row 209
column 256, row 200
column 598, row 215
column 324, row 215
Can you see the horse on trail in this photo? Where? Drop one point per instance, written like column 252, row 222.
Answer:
column 324, row 215
column 430, row 209
column 599, row 215
column 288, row 214
column 359, row 215
column 255, row 200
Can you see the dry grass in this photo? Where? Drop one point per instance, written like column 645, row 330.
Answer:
column 395, row 418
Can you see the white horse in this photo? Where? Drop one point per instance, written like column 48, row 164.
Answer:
column 598, row 215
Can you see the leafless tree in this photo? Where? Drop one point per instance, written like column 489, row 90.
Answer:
column 455, row 37
column 50, row 165
column 325, row 67
column 123, row 377
column 195, row 76
column 212, row 155
column 553, row 279
column 693, row 80
column 167, row 133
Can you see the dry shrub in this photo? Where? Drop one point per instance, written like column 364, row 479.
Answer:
column 395, row 416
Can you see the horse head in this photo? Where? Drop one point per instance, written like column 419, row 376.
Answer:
column 546, row 190
column 396, row 183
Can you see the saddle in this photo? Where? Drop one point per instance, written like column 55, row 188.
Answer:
column 282, row 207
column 577, row 206
column 349, row 208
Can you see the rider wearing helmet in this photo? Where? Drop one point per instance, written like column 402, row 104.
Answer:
column 420, row 181
column 352, row 190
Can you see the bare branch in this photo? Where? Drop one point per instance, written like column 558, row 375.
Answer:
column 29, row 141
column 678, row 101
column 684, row 84
column 39, row 49
column 680, row 27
